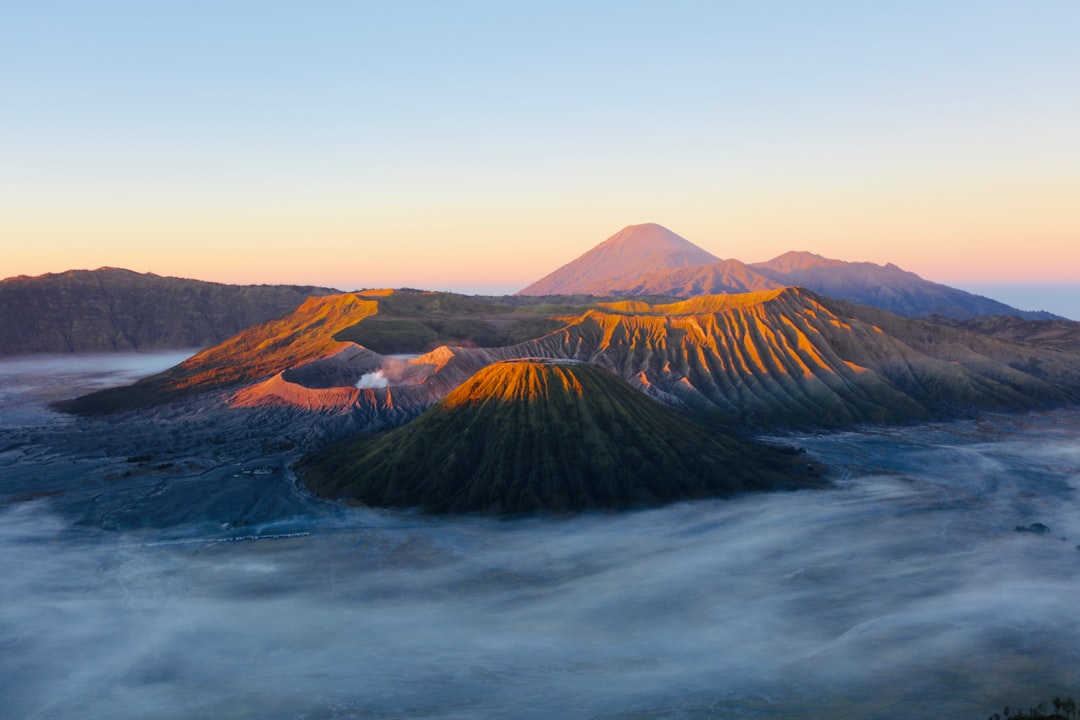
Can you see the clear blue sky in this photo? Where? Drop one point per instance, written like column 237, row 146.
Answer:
column 481, row 144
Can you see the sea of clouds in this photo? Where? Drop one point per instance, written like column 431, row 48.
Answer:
column 906, row 591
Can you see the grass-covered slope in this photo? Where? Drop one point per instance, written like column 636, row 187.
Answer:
column 522, row 436
column 413, row 321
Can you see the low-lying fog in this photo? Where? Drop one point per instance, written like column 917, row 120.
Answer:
column 29, row 382
column 906, row 592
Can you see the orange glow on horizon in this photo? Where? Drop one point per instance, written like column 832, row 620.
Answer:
column 338, row 250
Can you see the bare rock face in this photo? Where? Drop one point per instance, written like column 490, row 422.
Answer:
column 522, row 436
column 111, row 309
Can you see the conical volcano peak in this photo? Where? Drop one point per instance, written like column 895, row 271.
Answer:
column 633, row 252
column 518, row 381
column 535, row 435
column 648, row 239
column 649, row 259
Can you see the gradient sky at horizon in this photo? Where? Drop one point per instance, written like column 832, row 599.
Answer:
column 477, row 146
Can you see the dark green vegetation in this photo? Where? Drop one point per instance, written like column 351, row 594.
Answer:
column 413, row 321
column 1059, row 709
column 525, row 436
column 111, row 309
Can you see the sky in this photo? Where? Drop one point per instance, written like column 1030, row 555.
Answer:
column 476, row 146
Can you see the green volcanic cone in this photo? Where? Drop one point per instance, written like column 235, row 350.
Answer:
column 522, row 436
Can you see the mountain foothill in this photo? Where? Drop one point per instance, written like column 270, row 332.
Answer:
column 645, row 352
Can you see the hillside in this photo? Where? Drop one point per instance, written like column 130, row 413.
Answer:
column 883, row 286
column 112, row 309
column 535, row 435
column 724, row 276
column 336, row 339
column 414, row 321
column 305, row 335
column 791, row 357
column 1058, row 334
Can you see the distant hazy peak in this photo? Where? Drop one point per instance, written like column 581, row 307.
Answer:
column 649, row 259
column 77, row 273
column 797, row 260
column 798, row 264
column 634, row 251
column 650, row 238
column 649, row 244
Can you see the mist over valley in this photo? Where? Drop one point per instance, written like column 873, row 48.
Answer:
column 206, row 582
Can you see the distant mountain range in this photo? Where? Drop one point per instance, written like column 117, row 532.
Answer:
column 650, row 260
column 112, row 309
